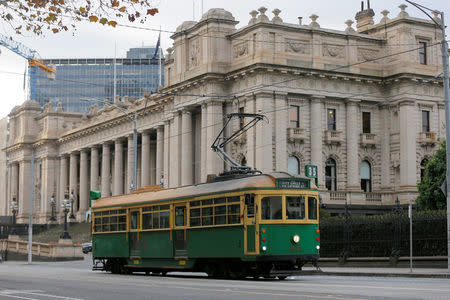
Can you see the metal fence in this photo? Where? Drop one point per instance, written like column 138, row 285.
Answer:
column 384, row 235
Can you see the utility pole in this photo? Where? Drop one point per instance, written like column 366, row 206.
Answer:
column 444, row 49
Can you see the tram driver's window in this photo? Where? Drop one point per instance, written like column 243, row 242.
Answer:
column 312, row 208
column 295, row 207
column 250, row 203
column 134, row 220
column 271, row 208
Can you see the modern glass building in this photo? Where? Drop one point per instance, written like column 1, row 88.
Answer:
column 81, row 82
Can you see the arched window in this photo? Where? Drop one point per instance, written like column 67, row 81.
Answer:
column 330, row 174
column 243, row 161
column 423, row 164
column 366, row 176
column 293, row 165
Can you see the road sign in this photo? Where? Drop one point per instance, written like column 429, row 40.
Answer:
column 311, row 171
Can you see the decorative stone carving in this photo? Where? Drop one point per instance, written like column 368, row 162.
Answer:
column 300, row 20
column 368, row 54
column 93, row 109
column 48, row 107
column 334, row 51
column 59, row 107
column 297, row 46
column 276, row 19
column 262, row 17
column 253, row 20
column 194, row 53
column 240, row 49
column 385, row 18
column 349, row 28
column 313, row 23
column 403, row 13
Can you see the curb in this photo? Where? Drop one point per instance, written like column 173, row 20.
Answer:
column 360, row 274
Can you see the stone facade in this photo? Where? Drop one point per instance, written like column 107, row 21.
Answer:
column 337, row 82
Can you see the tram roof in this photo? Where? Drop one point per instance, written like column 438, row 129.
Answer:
column 243, row 183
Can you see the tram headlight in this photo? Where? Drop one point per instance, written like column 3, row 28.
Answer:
column 296, row 239
column 318, row 247
column 264, row 248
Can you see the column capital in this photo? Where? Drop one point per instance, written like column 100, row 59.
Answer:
column 407, row 102
column 118, row 140
column 351, row 101
column 84, row 150
column 95, row 147
column 185, row 110
column 316, row 98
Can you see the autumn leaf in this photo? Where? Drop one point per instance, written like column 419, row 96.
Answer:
column 122, row 9
column 112, row 23
column 152, row 11
column 93, row 18
column 103, row 21
column 114, row 3
column 55, row 30
column 82, row 10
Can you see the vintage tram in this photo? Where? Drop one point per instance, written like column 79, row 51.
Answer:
column 244, row 225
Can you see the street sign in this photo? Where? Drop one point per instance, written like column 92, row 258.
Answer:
column 311, row 171
column 444, row 187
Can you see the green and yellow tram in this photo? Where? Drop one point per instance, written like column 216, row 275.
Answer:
column 259, row 225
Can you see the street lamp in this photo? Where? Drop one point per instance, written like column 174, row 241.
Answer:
column 65, row 206
column 14, row 210
column 71, row 199
column 52, row 205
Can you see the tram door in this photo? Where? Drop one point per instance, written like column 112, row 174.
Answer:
column 134, row 228
column 250, row 236
column 179, row 232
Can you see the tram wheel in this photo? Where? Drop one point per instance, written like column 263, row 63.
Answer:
column 282, row 277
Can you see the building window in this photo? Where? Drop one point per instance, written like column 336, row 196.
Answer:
column 330, row 174
column 423, row 53
column 241, row 119
column 331, row 119
column 366, row 122
column 425, row 121
column 365, row 171
column 423, row 165
column 294, row 116
column 293, row 165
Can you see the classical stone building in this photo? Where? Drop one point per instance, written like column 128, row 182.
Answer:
column 364, row 105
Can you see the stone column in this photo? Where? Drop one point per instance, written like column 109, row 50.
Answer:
column 14, row 180
column 174, row 154
column 48, row 185
column 73, row 179
column 118, row 168
column 203, row 147
column 385, row 144
column 263, row 134
column 63, row 182
column 281, row 125
column 106, row 170
column 84, row 188
column 94, row 169
column 353, row 130
column 152, row 167
column 187, row 158
column 408, row 130
column 130, row 162
column 317, row 138
column 24, row 193
column 166, row 153
column 159, row 153
column 214, row 123
column 145, row 162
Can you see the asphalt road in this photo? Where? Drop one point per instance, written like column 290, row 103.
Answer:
column 75, row 280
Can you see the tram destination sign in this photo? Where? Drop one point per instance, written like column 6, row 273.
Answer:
column 293, row 183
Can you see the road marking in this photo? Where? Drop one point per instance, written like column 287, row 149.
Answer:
column 13, row 294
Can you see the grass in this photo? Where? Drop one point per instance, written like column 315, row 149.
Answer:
column 80, row 233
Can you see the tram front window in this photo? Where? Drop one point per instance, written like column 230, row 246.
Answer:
column 312, row 208
column 271, row 208
column 295, row 207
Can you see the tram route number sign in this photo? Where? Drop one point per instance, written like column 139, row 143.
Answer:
column 311, row 171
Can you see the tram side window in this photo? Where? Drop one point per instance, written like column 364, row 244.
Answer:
column 295, row 207
column 219, row 211
column 271, row 208
column 312, row 208
column 156, row 217
column 110, row 221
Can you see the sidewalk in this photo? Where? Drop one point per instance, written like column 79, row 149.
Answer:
column 379, row 272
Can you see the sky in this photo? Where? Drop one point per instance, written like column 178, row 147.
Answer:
column 98, row 41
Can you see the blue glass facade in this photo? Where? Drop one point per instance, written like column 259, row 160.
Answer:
column 79, row 80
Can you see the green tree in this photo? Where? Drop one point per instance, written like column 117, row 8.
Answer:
column 37, row 16
column 430, row 194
